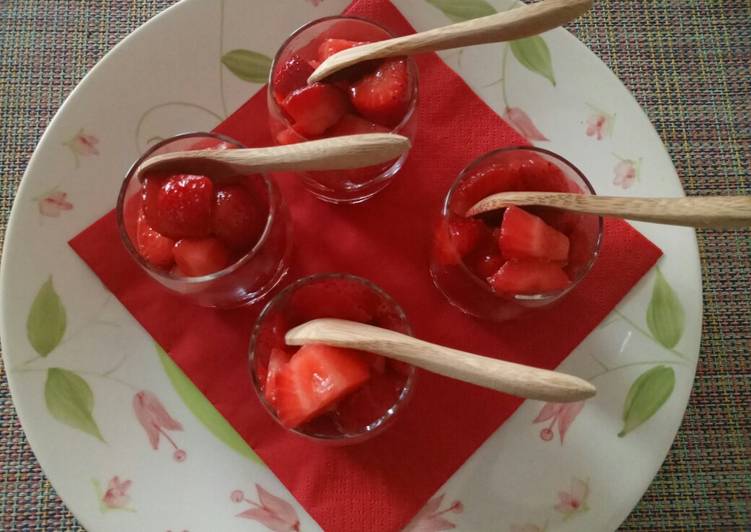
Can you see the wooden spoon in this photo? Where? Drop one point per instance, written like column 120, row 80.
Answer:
column 351, row 151
column 695, row 211
column 510, row 25
column 507, row 377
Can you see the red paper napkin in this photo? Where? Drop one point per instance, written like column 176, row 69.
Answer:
column 381, row 484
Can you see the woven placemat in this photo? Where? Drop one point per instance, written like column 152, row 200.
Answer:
column 688, row 64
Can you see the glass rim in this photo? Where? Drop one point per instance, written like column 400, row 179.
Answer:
column 277, row 300
column 413, row 71
column 129, row 245
column 446, row 209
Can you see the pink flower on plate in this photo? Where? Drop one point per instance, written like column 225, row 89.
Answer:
column 82, row 145
column 561, row 414
column 116, row 495
column 272, row 512
column 573, row 501
column 54, row 203
column 529, row 527
column 431, row 517
column 521, row 121
column 600, row 124
column 626, row 173
column 155, row 420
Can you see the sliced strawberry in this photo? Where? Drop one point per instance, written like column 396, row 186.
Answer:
column 180, row 205
column 528, row 277
column 200, row 256
column 277, row 361
column 456, row 237
column 289, row 76
column 383, row 95
column 288, row 136
column 315, row 108
column 371, row 402
column 525, row 236
column 237, row 219
column 351, row 124
column 154, row 247
column 314, row 379
column 330, row 47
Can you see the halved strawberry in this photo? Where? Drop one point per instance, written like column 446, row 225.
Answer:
column 330, row 47
column 289, row 76
column 383, row 95
column 314, row 379
column 154, row 247
column 179, row 206
column 315, row 108
column 456, row 237
column 237, row 219
column 351, row 124
column 525, row 236
column 277, row 361
column 200, row 256
column 528, row 277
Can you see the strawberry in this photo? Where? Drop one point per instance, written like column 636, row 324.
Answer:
column 331, row 46
column 383, row 95
column 277, row 361
column 288, row 136
column 496, row 177
column 351, row 124
column 525, row 236
column 456, row 237
column 528, row 277
column 154, row 247
column 315, row 108
column 289, row 76
column 200, row 256
column 237, row 219
column 485, row 258
column 180, row 205
column 314, row 379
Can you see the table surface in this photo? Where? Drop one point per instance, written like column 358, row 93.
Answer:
column 687, row 62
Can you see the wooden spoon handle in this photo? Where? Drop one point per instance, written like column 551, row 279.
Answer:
column 353, row 151
column 695, row 211
column 508, row 377
column 507, row 26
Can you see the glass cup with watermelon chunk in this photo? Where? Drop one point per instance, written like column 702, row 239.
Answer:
column 328, row 393
column 373, row 97
column 220, row 244
column 503, row 264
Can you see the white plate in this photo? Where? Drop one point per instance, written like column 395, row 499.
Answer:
column 167, row 78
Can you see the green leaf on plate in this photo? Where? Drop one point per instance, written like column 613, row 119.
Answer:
column 645, row 397
column 665, row 316
column 248, row 65
column 459, row 10
column 70, row 400
column 533, row 53
column 202, row 408
column 45, row 324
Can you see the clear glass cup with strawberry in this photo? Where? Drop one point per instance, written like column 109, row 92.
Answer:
column 326, row 393
column 220, row 243
column 373, row 97
column 503, row 264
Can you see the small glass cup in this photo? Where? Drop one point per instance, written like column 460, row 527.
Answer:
column 471, row 293
column 252, row 275
column 339, row 186
column 367, row 411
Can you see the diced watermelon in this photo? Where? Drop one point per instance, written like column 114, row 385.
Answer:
column 525, row 236
column 528, row 277
column 315, row 378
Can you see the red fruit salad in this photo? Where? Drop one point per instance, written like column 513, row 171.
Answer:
column 319, row 390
